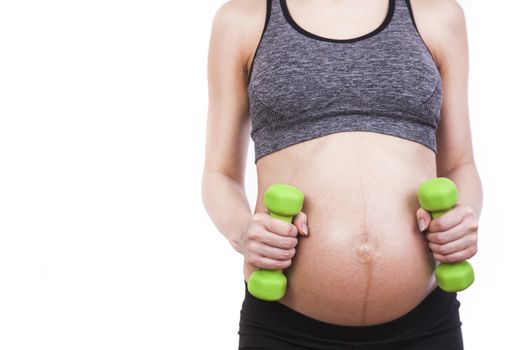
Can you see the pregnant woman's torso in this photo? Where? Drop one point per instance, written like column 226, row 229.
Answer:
column 364, row 261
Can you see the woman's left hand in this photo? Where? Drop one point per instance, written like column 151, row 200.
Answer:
column 453, row 236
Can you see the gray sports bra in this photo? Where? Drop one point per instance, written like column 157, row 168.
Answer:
column 302, row 85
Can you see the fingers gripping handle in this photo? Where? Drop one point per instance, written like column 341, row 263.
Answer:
column 438, row 196
column 283, row 202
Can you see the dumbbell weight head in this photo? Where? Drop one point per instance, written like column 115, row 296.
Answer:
column 454, row 277
column 283, row 201
column 269, row 285
column 437, row 195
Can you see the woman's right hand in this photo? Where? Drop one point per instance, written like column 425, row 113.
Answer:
column 269, row 243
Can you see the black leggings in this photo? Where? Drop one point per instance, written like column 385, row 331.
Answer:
column 433, row 324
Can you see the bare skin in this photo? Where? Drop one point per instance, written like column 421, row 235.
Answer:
column 364, row 260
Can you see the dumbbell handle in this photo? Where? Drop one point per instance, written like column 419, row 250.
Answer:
column 285, row 218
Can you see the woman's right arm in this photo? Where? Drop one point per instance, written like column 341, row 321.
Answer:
column 264, row 241
column 227, row 129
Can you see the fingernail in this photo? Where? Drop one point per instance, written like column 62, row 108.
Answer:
column 421, row 224
column 305, row 229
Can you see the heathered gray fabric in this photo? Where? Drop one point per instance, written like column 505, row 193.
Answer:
column 302, row 87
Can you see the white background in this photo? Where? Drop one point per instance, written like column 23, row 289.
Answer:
column 104, row 241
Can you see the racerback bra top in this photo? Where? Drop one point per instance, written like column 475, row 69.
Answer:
column 303, row 86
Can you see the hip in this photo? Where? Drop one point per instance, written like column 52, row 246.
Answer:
column 434, row 323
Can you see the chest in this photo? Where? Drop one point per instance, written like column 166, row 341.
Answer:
column 304, row 77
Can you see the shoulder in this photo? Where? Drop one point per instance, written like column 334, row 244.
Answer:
column 448, row 13
column 236, row 17
column 238, row 24
column 441, row 23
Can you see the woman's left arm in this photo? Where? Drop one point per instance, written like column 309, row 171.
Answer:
column 453, row 236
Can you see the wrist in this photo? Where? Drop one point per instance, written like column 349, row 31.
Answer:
column 235, row 243
column 236, row 237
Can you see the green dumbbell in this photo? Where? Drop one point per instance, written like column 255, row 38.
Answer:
column 283, row 202
column 438, row 196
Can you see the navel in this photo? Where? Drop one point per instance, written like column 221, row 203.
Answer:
column 365, row 253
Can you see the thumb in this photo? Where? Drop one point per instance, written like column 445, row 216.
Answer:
column 300, row 220
column 423, row 219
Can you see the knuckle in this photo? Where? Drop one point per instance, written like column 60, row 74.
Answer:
column 269, row 264
column 439, row 239
column 272, row 265
column 285, row 264
column 274, row 242
column 291, row 243
column 283, row 254
column 251, row 235
column 261, row 217
column 435, row 248
column 280, row 243
column 251, row 246
column 441, row 249
column 275, row 264
column 251, row 259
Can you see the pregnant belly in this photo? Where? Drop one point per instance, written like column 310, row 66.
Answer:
column 364, row 261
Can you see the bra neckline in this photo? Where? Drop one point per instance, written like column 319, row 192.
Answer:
column 377, row 30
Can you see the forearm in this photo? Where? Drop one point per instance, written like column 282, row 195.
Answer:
column 226, row 203
column 468, row 183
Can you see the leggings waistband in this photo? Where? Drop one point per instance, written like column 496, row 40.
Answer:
column 438, row 311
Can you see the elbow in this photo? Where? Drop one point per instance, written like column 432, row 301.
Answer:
column 451, row 169
column 203, row 190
